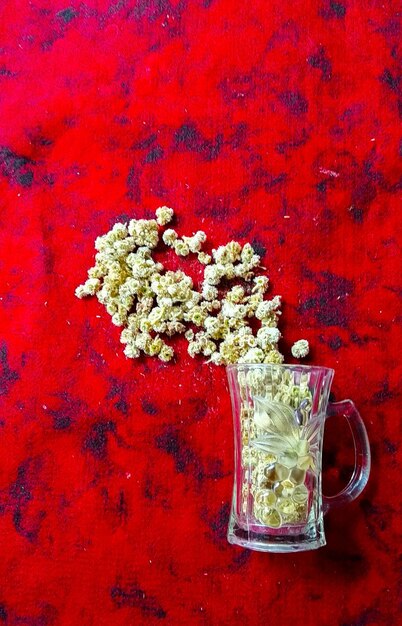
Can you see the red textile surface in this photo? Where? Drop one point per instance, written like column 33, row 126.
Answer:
column 271, row 122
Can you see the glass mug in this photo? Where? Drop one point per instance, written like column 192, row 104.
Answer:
column 279, row 415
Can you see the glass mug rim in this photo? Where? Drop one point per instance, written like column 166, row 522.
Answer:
column 236, row 366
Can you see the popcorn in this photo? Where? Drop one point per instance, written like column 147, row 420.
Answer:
column 131, row 351
column 254, row 355
column 195, row 242
column 212, row 275
column 174, row 328
column 204, row 258
column 181, row 248
column 248, row 254
column 148, row 301
column 209, row 293
column 300, row 349
column 268, row 337
column 166, row 354
column 266, row 307
column 214, row 327
column 156, row 346
column 260, row 284
column 170, row 236
column 227, row 254
column 164, row 215
column 196, row 315
column 216, row 359
column 144, row 232
column 89, row 288
column 274, row 356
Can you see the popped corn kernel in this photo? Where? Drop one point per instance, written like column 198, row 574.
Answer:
column 144, row 306
column 119, row 318
column 142, row 341
column 274, row 356
column 164, row 215
column 131, row 351
column 126, row 335
column 216, row 359
column 236, row 294
column 145, row 325
column 214, row 327
column 300, row 349
column 181, row 248
column 266, row 307
column 96, row 272
column 253, row 355
column 208, row 347
column 227, row 270
column 248, row 254
column 81, row 292
column 230, row 349
column 174, row 328
column 233, row 311
column 204, row 258
column 155, row 346
column 89, row 288
column 196, row 315
column 260, row 284
column 159, row 327
column 213, row 275
column 195, row 242
column 209, row 292
column 133, row 322
column 120, row 230
column 241, row 270
column 230, row 253
column 144, row 232
column 145, row 253
column 169, row 237
column 248, row 341
column 166, row 354
column 193, row 348
column 124, row 247
column 267, row 337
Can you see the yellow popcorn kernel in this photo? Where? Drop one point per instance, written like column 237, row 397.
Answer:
column 174, row 328
column 166, row 354
column 164, row 215
column 170, row 236
column 274, row 356
column 204, row 258
column 155, row 346
column 131, row 351
column 260, row 284
column 300, row 349
column 253, row 355
column 181, row 248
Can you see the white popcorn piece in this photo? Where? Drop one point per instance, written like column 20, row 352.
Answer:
column 145, row 299
column 300, row 349
column 164, row 215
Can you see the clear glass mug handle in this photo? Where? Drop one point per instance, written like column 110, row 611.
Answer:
column 361, row 472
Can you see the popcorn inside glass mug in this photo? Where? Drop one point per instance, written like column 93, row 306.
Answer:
column 279, row 448
column 226, row 318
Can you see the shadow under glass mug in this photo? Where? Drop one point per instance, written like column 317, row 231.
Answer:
column 279, row 415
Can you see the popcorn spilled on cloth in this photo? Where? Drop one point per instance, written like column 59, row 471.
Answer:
column 149, row 301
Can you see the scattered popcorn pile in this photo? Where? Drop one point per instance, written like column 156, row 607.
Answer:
column 149, row 301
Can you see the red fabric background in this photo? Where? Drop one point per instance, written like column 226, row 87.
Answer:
column 271, row 122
